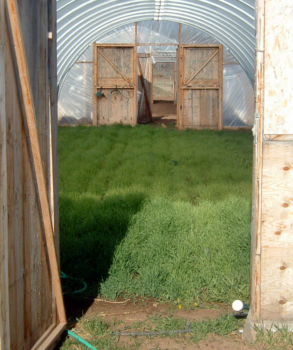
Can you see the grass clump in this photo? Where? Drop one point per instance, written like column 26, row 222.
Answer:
column 176, row 250
column 275, row 338
column 101, row 334
column 200, row 330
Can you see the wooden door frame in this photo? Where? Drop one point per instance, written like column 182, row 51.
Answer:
column 46, row 207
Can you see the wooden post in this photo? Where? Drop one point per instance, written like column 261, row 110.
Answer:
column 271, row 287
column 135, row 77
column 4, row 246
column 95, row 102
column 180, row 83
column 221, row 67
column 30, row 121
column 255, row 294
column 152, row 78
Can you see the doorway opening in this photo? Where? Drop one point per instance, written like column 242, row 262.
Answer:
column 164, row 101
column 202, row 86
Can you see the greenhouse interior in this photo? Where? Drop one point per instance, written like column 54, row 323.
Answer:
column 157, row 82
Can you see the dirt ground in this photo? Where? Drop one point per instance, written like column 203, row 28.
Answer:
column 126, row 313
column 164, row 113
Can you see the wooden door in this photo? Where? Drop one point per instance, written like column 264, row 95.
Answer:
column 32, row 313
column 115, row 76
column 200, row 87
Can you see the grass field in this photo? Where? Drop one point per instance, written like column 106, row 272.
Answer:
column 156, row 212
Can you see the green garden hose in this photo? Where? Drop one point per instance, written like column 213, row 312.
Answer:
column 82, row 341
column 64, row 276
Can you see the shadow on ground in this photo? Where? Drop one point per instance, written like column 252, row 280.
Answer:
column 90, row 230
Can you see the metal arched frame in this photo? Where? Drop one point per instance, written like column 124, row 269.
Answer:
column 81, row 22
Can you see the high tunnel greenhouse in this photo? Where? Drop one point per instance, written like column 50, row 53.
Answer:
column 161, row 27
column 216, row 63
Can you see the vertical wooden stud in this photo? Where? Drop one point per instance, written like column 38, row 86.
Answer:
column 150, row 81
column 135, row 77
column 255, row 261
column 220, row 83
column 180, row 83
column 4, row 280
column 174, row 82
column 95, row 102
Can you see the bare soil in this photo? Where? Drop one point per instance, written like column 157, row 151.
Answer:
column 127, row 312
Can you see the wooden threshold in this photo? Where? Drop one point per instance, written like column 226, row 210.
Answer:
column 50, row 337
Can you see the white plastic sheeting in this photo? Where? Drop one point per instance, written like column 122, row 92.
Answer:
column 81, row 22
column 75, row 95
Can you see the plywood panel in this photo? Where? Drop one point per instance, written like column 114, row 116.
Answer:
column 277, row 284
column 277, row 232
column 278, row 70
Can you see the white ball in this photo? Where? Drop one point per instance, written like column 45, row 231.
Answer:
column 237, row 305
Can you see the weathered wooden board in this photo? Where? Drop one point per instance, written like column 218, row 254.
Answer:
column 116, row 107
column 114, row 68
column 278, row 69
column 194, row 59
column 122, row 58
column 28, row 308
column 200, row 108
column 200, row 87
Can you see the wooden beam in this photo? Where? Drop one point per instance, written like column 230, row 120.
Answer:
column 143, row 55
column 30, row 121
column 180, row 74
column 200, row 88
column 134, row 73
column 152, row 44
column 50, row 337
column 220, row 82
column 4, row 245
column 53, row 108
column 94, row 97
column 109, row 86
column 113, row 45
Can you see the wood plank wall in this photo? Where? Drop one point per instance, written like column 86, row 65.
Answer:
column 271, row 296
column 26, row 291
